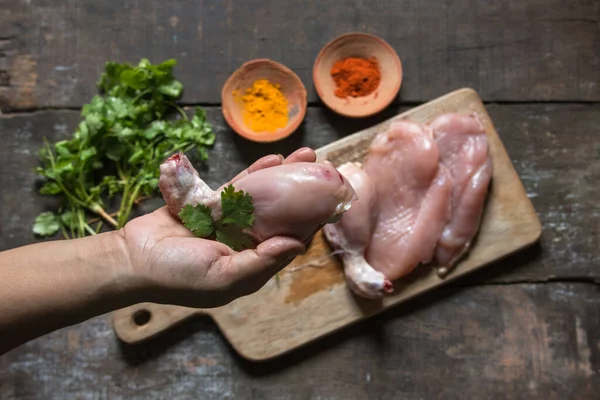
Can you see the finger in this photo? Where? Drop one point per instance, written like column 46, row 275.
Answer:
column 250, row 269
column 304, row 154
column 272, row 160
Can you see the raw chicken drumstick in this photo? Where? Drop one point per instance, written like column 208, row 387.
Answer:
column 352, row 234
column 464, row 151
column 293, row 199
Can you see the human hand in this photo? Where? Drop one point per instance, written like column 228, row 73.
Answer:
column 175, row 267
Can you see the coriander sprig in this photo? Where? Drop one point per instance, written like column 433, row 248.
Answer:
column 237, row 214
column 117, row 147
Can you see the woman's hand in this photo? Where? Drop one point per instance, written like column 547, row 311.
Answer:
column 175, row 267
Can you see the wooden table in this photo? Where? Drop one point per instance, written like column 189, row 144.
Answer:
column 526, row 327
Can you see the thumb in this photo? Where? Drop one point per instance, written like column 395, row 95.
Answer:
column 260, row 264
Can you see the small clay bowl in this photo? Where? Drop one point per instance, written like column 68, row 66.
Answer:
column 358, row 45
column 290, row 85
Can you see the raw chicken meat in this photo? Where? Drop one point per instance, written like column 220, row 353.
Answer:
column 464, row 151
column 293, row 199
column 421, row 198
column 352, row 234
column 413, row 198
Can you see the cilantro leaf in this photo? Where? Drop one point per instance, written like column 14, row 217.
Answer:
column 198, row 220
column 87, row 153
column 172, row 88
column 68, row 219
column 233, row 237
column 46, row 224
column 50, row 188
column 236, row 215
column 236, row 208
column 205, row 133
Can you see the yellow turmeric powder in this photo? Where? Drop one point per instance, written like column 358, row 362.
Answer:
column 265, row 107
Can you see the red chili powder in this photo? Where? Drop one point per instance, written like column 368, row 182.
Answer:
column 355, row 76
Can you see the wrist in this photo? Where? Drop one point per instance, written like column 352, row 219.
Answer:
column 127, row 285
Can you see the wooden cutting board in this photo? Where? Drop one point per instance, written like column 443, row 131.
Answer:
column 310, row 302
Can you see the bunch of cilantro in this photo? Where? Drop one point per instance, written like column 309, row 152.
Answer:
column 115, row 152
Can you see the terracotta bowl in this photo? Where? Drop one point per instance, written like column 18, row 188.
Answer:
column 290, row 85
column 358, row 45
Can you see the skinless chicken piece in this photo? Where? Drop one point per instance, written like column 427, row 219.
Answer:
column 293, row 199
column 464, row 151
column 352, row 234
column 413, row 198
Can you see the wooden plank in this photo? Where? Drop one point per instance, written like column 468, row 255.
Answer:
column 518, row 341
column 553, row 147
column 52, row 52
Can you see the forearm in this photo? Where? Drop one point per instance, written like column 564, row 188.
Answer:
column 46, row 286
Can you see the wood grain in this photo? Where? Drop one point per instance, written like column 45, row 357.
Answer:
column 309, row 303
column 52, row 52
column 520, row 341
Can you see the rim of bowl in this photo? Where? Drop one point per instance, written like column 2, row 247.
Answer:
column 288, row 130
column 385, row 44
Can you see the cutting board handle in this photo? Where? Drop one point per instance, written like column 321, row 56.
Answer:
column 145, row 320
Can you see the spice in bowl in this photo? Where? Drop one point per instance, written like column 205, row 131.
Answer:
column 265, row 108
column 355, row 76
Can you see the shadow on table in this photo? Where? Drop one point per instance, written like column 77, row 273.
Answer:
column 252, row 151
column 306, row 133
column 344, row 126
column 371, row 327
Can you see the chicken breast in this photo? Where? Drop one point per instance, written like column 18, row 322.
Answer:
column 294, row 199
column 464, row 150
column 352, row 234
column 413, row 198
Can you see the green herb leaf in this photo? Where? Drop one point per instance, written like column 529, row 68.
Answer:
column 172, row 88
column 64, row 166
column 236, row 215
column 118, row 107
column 198, row 220
column 68, row 219
column 62, row 148
column 233, row 237
column 154, row 129
column 136, row 78
column 87, row 153
column 199, row 121
column 202, row 153
column 46, row 224
column 167, row 65
column 50, row 188
column 94, row 122
column 237, row 208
